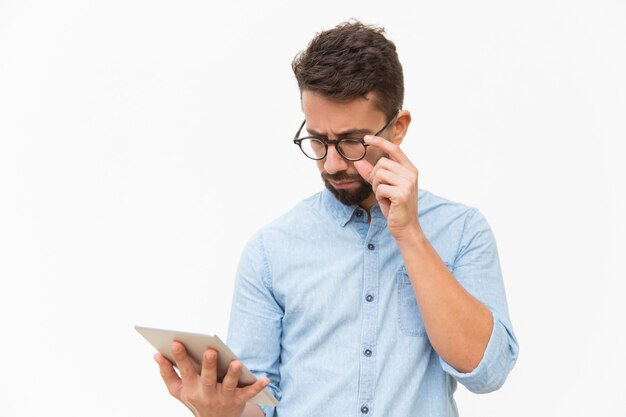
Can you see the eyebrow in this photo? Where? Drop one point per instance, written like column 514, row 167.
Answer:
column 350, row 133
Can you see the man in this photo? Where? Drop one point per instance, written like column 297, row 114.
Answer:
column 351, row 303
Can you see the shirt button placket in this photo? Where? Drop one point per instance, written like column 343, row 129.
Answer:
column 370, row 323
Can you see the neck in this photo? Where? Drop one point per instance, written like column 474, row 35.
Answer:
column 367, row 205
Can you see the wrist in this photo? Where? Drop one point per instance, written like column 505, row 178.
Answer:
column 409, row 235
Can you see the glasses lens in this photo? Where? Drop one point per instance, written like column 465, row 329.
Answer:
column 313, row 148
column 352, row 149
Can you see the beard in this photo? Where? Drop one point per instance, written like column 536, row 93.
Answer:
column 352, row 196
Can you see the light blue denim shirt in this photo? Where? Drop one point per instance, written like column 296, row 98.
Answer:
column 323, row 306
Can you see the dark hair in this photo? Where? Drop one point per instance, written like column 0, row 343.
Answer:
column 349, row 61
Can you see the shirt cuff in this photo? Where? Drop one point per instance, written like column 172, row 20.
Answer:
column 496, row 363
column 268, row 410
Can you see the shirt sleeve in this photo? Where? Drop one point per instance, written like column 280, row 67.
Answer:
column 255, row 324
column 477, row 268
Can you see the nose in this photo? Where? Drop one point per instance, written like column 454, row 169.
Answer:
column 334, row 162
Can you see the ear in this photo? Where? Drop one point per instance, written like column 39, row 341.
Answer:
column 400, row 126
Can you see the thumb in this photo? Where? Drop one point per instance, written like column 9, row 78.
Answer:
column 364, row 168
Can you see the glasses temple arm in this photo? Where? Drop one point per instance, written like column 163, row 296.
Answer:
column 298, row 132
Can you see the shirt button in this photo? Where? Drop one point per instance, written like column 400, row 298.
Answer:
column 369, row 298
column 367, row 353
column 359, row 213
column 364, row 409
column 371, row 246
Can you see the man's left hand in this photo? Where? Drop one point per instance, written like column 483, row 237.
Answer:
column 394, row 181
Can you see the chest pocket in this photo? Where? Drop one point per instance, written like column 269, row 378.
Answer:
column 410, row 319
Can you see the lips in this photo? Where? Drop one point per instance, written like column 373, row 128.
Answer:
column 342, row 184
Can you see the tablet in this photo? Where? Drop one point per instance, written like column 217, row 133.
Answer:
column 195, row 345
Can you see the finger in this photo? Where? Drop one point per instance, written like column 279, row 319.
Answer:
column 408, row 172
column 384, row 176
column 386, row 192
column 364, row 168
column 183, row 363
column 389, row 148
column 229, row 384
column 169, row 375
column 252, row 390
column 209, row 368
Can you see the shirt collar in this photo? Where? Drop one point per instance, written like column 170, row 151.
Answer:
column 341, row 212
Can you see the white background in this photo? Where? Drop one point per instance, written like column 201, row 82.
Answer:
column 143, row 142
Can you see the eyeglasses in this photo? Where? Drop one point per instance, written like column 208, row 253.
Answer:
column 352, row 149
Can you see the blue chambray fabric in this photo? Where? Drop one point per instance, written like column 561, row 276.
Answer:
column 324, row 307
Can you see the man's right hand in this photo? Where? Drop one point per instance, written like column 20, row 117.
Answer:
column 201, row 393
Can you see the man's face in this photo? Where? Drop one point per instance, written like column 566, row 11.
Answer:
column 336, row 120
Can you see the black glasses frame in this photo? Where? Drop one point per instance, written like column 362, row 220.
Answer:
column 337, row 142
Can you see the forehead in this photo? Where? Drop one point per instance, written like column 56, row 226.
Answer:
column 327, row 116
